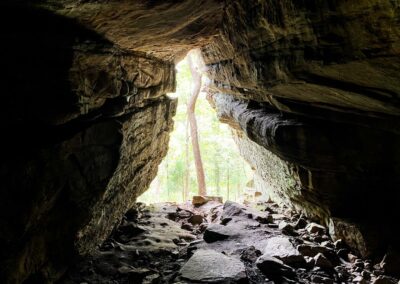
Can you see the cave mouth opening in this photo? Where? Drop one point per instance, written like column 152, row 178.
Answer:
column 227, row 174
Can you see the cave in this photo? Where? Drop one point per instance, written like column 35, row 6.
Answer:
column 310, row 89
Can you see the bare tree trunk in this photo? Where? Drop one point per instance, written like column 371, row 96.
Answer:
column 186, row 178
column 196, row 85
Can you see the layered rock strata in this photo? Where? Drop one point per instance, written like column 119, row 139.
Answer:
column 312, row 90
column 311, row 87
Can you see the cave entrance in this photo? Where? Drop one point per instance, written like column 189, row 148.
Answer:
column 226, row 173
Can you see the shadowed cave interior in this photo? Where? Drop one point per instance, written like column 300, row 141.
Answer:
column 310, row 90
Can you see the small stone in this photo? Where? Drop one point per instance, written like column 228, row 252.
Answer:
column 199, row 200
column 184, row 214
column 150, row 279
column 327, row 244
column 343, row 273
column 301, row 223
column 314, row 228
column 311, row 250
column 286, row 228
column 250, row 254
column 264, row 219
column 351, row 257
column 321, row 279
column 187, row 226
column 196, row 219
column 322, row 261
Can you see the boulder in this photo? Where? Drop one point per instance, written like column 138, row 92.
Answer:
column 312, row 250
column 232, row 209
column 314, row 228
column 199, row 200
column 286, row 228
column 322, row 262
column 209, row 266
column 250, row 254
column 274, row 268
column 217, row 232
column 301, row 223
column 282, row 249
column 196, row 219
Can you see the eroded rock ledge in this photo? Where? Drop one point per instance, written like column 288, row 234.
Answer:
column 340, row 174
column 315, row 85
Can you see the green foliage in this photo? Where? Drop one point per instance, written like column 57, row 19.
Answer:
column 221, row 158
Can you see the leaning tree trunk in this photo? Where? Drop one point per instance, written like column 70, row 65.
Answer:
column 196, row 85
column 187, row 165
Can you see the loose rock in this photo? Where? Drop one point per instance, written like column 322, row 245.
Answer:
column 196, row 219
column 213, row 267
column 311, row 250
column 322, row 261
column 217, row 232
column 274, row 268
column 286, row 228
column 283, row 249
column 321, row 279
column 314, row 228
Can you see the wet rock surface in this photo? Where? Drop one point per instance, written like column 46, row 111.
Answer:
column 152, row 245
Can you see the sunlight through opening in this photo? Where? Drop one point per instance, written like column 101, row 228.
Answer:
column 226, row 173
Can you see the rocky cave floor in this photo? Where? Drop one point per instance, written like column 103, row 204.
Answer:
column 222, row 243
